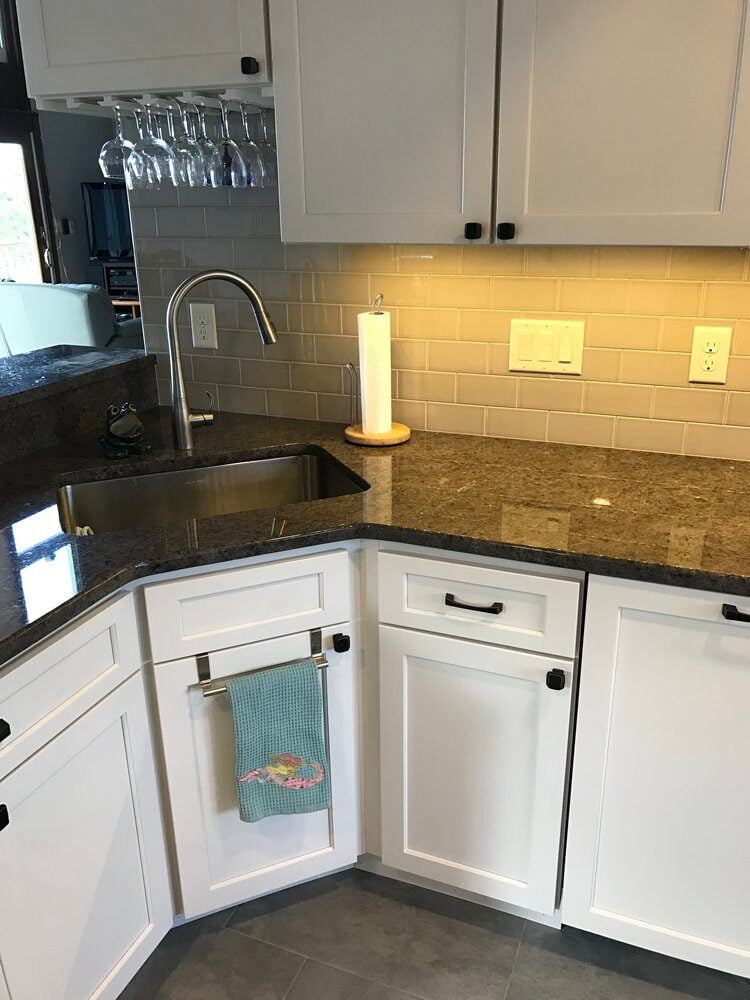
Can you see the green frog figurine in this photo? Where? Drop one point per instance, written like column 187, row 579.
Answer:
column 123, row 435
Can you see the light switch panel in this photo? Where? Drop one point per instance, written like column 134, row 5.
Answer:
column 546, row 345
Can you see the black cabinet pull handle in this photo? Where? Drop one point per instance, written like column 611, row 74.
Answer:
column 473, row 231
column 4, row 730
column 556, row 679
column 493, row 609
column 733, row 614
column 506, row 231
column 4, row 817
column 249, row 65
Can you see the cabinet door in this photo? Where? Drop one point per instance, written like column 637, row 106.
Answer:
column 82, row 862
column 625, row 121
column 384, row 118
column 657, row 844
column 110, row 47
column 222, row 860
column 473, row 759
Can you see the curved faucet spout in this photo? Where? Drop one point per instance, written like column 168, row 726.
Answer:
column 183, row 420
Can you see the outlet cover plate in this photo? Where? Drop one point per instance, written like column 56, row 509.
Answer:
column 710, row 354
column 546, row 345
column 203, row 323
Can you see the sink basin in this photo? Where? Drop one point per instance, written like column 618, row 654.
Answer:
column 183, row 494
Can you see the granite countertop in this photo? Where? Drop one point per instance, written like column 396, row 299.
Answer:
column 52, row 370
column 668, row 519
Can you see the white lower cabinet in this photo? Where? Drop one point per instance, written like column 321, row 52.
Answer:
column 82, row 863
column 473, row 761
column 657, row 851
column 222, row 860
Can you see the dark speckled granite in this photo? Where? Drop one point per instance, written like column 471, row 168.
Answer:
column 668, row 519
column 49, row 395
column 52, row 370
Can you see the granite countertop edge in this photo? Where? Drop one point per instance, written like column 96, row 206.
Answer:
column 24, row 638
column 33, row 393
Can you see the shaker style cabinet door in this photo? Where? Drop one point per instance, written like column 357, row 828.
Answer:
column 657, row 851
column 473, row 758
column 83, row 868
column 222, row 860
column 625, row 121
column 384, row 118
column 113, row 47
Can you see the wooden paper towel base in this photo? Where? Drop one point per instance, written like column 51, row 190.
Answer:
column 396, row 435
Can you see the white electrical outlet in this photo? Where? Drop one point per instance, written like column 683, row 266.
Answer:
column 710, row 356
column 203, row 323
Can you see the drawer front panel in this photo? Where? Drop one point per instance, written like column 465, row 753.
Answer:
column 46, row 690
column 500, row 606
column 220, row 610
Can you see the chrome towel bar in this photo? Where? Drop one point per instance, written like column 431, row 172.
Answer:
column 204, row 665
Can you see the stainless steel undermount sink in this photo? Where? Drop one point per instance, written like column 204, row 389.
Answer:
column 154, row 498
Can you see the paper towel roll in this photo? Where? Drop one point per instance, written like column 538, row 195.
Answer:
column 375, row 371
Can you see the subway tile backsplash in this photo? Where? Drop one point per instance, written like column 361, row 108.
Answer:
column 451, row 310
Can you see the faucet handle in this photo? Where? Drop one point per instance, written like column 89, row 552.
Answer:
column 203, row 418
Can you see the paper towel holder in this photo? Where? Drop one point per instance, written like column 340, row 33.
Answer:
column 354, row 433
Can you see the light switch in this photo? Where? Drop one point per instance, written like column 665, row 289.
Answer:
column 546, row 349
column 546, row 345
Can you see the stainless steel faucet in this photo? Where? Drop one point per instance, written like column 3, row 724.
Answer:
column 183, row 418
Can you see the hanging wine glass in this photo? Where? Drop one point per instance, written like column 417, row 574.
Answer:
column 267, row 150
column 233, row 167
column 158, row 166
column 191, row 168
column 250, row 152
column 212, row 165
column 115, row 153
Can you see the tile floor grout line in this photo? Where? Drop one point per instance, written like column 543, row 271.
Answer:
column 296, row 977
column 330, row 965
column 515, row 960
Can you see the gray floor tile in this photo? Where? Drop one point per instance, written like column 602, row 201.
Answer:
column 410, row 939
column 574, row 965
column 204, row 961
column 322, row 982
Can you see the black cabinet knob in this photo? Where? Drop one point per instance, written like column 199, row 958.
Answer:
column 249, row 65
column 506, row 231
column 473, row 231
column 4, row 817
column 556, row 679
column 342, row 643
column 4, row 730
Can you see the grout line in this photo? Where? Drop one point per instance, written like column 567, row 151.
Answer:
column 515, row 960
column 296, row 977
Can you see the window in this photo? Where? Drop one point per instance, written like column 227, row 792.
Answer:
column 19, row 250
column 25, row 254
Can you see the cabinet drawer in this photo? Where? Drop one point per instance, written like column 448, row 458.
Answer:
column 504, row 607
column 204, row 613
column 46, row 690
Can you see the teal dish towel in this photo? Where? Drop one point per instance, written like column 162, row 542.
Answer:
column 280, row 757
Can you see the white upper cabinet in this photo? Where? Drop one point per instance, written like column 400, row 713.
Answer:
column 384, row 118
column 107, row 46
column 625, row 121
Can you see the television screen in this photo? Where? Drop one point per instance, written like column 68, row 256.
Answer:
column 107, row 221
